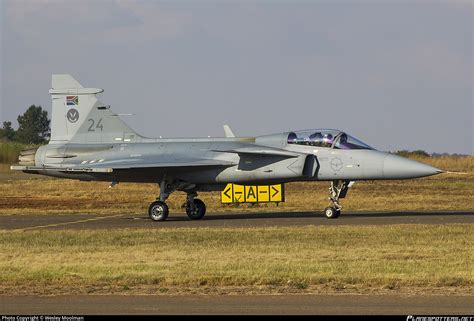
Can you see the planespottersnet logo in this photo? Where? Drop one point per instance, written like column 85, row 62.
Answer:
column 439, row 318
column 42, row 318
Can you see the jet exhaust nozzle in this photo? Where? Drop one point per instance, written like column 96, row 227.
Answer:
column 27, row 157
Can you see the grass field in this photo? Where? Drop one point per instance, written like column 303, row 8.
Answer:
column 9, row 151
column 411, row 259
column 32, row 194
column 364, row 259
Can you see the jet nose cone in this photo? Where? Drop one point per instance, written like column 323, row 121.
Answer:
column 397, row 167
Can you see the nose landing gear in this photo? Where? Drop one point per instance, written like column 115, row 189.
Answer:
column 337, row 190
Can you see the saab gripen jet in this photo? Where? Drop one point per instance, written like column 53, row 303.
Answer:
column 89, row 142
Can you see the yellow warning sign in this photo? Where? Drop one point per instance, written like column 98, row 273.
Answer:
column 251, row 194
column 239, row 195
column 227, row 194
column 276, row 193
column 263, row 195
column 234, row 193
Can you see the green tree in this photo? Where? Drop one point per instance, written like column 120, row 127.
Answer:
column 7, row 132
column 33, row 126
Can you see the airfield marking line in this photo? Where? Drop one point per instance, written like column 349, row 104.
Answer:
column 66, row 223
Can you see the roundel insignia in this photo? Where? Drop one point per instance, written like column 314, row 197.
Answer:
column 72, row 115
column 336, row 164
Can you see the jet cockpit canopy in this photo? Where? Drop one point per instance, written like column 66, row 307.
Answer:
column 329, row 138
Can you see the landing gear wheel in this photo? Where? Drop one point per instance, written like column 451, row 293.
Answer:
column 197, row 211
column 332, row 212
column 158, row 211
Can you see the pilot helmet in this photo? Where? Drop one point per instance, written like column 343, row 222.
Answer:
column 316, row 136
column 343, row 138
column 327, row 139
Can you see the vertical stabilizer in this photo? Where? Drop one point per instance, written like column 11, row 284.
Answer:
column 77, row 115
column 64, row 81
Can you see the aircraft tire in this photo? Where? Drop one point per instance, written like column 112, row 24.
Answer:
column 199, row 212
column 331, row 212
column 158, row 211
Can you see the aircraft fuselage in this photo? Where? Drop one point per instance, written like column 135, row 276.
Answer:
column 322, row 164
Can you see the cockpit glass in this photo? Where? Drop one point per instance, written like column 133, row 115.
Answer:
column 345, row 141
column 318, row 137
column 328, row 138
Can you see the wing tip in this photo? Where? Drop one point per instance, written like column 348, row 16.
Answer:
column 228, row 132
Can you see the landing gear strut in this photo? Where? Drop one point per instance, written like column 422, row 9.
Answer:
column 195, row 208
column 337, row 190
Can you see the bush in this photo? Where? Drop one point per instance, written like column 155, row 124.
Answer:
column 416, row 153
column 9, row 151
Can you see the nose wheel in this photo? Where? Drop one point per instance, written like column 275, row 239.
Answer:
column 337, row 190
column 332, row 212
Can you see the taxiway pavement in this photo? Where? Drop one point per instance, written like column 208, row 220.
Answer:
column 230, row 220
column 237, row 304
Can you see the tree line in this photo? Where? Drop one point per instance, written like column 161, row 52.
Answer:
column 33, row 127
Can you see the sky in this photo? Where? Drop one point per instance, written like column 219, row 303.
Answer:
column 395, row 74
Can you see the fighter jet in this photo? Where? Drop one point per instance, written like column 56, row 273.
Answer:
column 90, row 142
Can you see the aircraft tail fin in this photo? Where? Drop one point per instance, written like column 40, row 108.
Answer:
column 78, row 116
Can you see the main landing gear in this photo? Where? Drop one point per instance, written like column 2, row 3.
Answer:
column 337, row 190
column 195, row 208
column 158, row 211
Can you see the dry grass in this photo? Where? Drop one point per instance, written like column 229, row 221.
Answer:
column 31, row 194
column 9, row 151
column 326, row 259
column 405, row 258
column 449, row 163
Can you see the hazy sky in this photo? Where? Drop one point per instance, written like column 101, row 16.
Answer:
column 396, row 74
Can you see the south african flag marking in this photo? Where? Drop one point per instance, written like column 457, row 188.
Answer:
column 72, row 100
